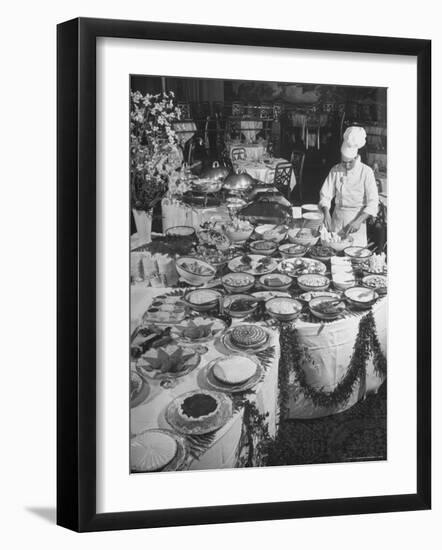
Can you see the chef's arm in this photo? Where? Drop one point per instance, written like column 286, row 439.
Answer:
column 326, row 195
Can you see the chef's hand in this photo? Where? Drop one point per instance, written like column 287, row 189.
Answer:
column 328, row 221
column 353, row 226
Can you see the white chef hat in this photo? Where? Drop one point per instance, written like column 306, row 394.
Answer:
column 354, row 138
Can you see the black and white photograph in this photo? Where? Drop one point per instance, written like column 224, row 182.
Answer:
column 258, row 273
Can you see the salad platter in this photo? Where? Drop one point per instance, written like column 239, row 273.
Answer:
column 171, row 361
column 254, row 264
column 196, row 330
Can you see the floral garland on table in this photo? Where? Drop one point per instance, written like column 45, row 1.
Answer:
column 294, row 356
column 154, row 152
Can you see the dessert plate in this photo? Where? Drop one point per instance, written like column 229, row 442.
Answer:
column 199, row 412
column 171, row 448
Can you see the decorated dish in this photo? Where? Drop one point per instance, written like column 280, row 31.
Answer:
column 327, row 307
column 198, row 329
column 180, row 231
column 139, row 389
column 157, row 450
column 283, row 309
column 376, row 282
column 301, row 266
column 305, row 236
column 238, row 282
column 312, row 281
column 254, row 264
column 275, row 234
column 277, row 281
column 358, row 254
column 202, row 299
column 199, row 412
column 307, row 296
column 375, row 265
column 234, row 373
column 239, row 231
column 263, row 247
column 165, row 309
column 193, row 271
column 211, row 255
column 268, row 294
column 292, row 250
column 169, row 361
column 360, row 297
column 321, row 252
column 240, row 305
column 246, row 337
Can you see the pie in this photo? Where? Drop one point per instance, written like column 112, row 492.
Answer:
column 248, row 336
column 234, row 370
column 198, row 412
column 152, row 451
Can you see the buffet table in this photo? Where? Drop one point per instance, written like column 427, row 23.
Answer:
column 223, row 449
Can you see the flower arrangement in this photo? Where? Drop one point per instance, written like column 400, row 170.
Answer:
column 154, row 152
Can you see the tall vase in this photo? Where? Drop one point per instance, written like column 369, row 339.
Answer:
column 143, row 222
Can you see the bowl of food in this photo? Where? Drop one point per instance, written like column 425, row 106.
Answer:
column 238, row 282
column 239, row 305
column 321, row 253
column 360, row 297
column 276, row 281
column 239, row 231
column 267, row 248
column 261, row 229
column 304, row 236
column 289, row 250
column 376, row 282
column 312, row 220
column 358, row 254
column 313, row 281
column 180, row 231
column 342, row 281
column 283, row 309
column 275, row 234
column 202, row 299
column 326, row 308
column 374, row 265
column 194, row 271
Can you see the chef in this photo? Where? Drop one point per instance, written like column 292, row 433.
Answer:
column 352, row 185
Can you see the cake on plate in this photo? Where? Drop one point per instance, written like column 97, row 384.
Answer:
column 152, row 451
column 248, row 336
column 235, row 369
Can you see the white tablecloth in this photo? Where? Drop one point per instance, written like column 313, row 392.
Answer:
column 250, row 128
column 331, row 346
column 175, row 213
column 262, row 171
column 223, row 452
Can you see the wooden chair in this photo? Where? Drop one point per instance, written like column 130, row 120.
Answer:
column 297, row 159
column 238, row 153
column 282, row 178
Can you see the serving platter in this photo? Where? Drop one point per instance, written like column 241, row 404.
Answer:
column 182, row 332
column 226, row 340
column 145, row 368
column 301, row 266
column 176, row 419
column 218, row 385
column 178, row 461
column 237, row 266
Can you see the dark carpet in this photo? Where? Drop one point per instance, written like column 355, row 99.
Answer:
column 357, row 434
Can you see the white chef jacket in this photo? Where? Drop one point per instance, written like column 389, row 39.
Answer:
column 354, row 191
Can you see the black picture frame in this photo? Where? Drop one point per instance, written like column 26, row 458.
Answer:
column 76, row 274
